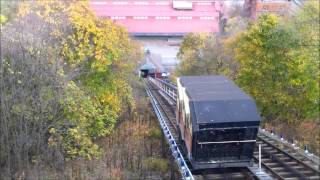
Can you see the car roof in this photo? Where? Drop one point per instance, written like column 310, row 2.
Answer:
column 204, row 88
column 217, row 99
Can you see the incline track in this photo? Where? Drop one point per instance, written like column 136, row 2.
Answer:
column 279, row 160
column 225, row 173
column 283, row 162
column 169, row 111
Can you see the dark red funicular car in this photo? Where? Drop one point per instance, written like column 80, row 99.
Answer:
column 217, row 122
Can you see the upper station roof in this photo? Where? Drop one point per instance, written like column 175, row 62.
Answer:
column 148, row 66
column 216, row 99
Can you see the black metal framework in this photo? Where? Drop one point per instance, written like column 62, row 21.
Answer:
column 224, row 144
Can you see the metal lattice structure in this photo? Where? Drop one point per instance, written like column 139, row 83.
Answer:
column 176, row 152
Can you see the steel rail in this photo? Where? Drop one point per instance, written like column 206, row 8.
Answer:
column 278, row 176
column 289, row 155
column 274, row 157
column 184, row 169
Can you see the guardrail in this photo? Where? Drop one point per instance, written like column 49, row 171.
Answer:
column 176, row 153
column 166, row 87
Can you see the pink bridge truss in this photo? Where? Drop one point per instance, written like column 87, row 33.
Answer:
column 159, row 17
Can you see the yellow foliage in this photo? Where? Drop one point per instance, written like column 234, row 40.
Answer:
column 24, row 9
column 112, row 100
column 101, row 55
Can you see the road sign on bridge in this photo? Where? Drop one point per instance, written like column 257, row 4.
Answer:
column 163, row 17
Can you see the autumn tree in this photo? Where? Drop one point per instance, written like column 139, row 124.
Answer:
column 201, row 54
column 274, row 59
column 307, row 29
column 31, row 89
column 64, row 83
column 271, row 71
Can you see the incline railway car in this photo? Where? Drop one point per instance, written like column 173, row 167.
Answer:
column 217, row 122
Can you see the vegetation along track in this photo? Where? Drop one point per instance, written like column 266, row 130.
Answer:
column 168, row 110
column 283, row 162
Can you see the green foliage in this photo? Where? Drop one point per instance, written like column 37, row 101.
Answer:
column 201, row 54
column 82, row 111
column 306, row 26
column 77, row 144
column 189, row 54
column 274, row 60
column 306, row 23
column 235, row 25
column 79, row 66
column 3, row 19
column 155, row 133
column 95, row 47
column 271, row 70
column 192, row 42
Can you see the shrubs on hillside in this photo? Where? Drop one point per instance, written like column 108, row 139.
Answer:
column 63, row 84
